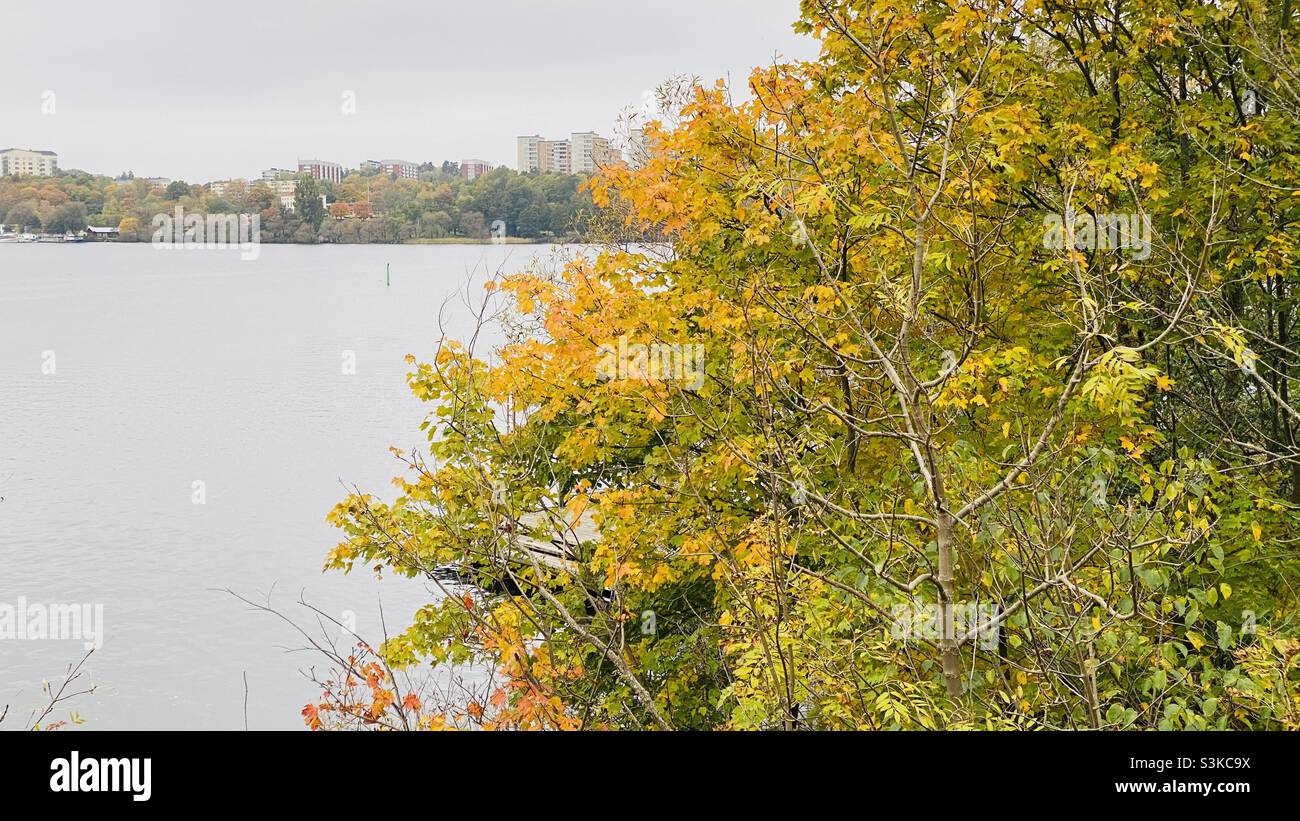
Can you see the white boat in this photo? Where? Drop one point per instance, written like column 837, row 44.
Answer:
column 68, row 237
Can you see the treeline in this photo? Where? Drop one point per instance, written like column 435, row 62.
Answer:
column 365, row 207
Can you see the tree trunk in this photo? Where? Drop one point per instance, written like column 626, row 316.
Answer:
column 949, row 649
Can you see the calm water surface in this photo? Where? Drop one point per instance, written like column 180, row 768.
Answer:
column 175, row 366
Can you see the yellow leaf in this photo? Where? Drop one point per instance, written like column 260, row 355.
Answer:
column 576, row 507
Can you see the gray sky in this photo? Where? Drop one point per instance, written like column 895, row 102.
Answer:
column 204, row 91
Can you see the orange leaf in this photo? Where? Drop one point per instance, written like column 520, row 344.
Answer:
column 310, row 717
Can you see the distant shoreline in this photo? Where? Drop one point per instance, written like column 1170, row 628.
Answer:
column 462, row 241
column 441, row 241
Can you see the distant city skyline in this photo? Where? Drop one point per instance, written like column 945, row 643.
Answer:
column 264, row 85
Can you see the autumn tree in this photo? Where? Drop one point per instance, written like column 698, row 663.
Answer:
column 958, row 397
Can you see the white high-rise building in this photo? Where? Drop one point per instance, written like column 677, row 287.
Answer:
column 529, row 149
column 638, row 150
column 15, row 161
column 590, row 152
column 584, row 151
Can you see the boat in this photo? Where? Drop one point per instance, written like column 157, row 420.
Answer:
column 68, row 237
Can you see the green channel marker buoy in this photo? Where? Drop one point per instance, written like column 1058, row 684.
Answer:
column 388, row 274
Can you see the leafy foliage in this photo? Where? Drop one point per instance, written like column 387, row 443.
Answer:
column 910, row 399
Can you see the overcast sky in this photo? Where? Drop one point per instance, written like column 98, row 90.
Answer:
column 206, row 91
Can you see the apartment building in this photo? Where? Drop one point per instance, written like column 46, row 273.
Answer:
column 556, row 156
column 607, row 155
column 15, row 161
column 401, row 169
column 529, row 150
column 537, row 153
column 471, row 170
column 638, row 147
column 587, row 149
column 223, row 188
column 282, row 187
column 321, row 170
column 582, row 153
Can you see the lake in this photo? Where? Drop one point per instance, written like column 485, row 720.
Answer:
column 137, row 382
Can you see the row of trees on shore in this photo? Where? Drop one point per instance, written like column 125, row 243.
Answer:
column 363, row 207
